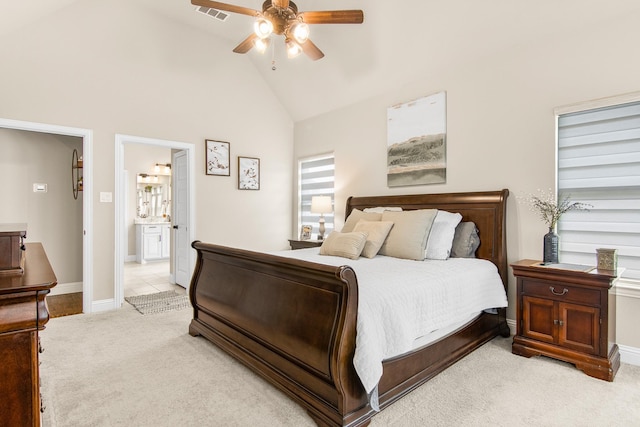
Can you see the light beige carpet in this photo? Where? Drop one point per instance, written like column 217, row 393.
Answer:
column 124, row 369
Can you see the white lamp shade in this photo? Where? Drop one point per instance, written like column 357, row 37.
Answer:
column 321, row 204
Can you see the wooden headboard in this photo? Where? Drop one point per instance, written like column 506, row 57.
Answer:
column 487, row 209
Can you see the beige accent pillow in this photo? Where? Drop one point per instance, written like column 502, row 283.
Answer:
column 356, row 215
column 377, row 233
column 347, row 245
column 408, row 237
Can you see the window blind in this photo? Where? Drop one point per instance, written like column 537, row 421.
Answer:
column 599, row 164
column 316, row 178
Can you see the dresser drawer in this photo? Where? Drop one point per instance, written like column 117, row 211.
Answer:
column 560, row 292
column 149, row 229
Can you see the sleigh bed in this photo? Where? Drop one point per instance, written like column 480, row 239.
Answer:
column 293, row 321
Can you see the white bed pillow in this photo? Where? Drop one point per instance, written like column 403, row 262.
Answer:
column 441, row 235
column 377, row 233
column 408, row 237
column 355, row 216
column 346, row 245
column 380, row 209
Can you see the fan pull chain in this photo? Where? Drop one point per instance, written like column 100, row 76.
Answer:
column 273, row 57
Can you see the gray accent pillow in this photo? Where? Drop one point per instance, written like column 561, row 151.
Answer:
column 465, row 240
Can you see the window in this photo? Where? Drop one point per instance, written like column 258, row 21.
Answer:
column 315, row 178
column 599, row 164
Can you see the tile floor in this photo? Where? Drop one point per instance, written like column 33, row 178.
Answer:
column 149, row 278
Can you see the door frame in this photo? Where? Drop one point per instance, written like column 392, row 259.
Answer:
column 87, row 197
column 120, row 202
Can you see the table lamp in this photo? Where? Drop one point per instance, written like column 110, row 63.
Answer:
column 321, row 205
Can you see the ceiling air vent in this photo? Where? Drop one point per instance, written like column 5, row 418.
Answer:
column 215, row 13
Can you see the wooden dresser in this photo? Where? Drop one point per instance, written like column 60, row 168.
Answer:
column 23, row 313
column 567, row 314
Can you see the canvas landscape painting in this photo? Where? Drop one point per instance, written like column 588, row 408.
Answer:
column 416, row 142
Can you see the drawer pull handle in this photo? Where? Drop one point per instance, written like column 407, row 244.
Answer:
column 553, row 291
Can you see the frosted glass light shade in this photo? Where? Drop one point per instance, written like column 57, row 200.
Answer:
column 263, row 28
column 300, row 32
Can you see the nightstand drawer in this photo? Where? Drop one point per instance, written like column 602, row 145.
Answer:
column 560, row 292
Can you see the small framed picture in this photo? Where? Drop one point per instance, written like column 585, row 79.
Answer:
column 305, row 232
column 248, row 173
column 217, row 158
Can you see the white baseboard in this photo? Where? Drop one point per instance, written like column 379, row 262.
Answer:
column 103, row 305
column 130, row 258
column 630, row 355
column 66, row 288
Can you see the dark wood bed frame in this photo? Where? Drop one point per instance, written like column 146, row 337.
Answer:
column 294, row 322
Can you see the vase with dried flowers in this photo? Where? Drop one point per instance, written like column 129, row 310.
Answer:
column 550, row 210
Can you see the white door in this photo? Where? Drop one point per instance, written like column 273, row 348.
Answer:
column 181, row 218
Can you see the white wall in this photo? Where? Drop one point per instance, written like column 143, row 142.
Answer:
column 116, row 68
column 53, row 218
column 500, row 127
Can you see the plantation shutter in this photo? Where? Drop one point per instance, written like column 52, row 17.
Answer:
column 599, row 164
column 316, row 177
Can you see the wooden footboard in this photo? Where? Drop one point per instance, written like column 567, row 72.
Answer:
column 294, row 322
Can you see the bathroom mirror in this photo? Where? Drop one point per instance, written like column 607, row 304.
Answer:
column 153, row 198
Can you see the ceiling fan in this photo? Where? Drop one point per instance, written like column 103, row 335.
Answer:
column 282, row 17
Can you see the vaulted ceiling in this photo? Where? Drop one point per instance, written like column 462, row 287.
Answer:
column 398, row 41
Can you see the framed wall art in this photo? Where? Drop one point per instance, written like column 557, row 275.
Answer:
column 248, row 173
column 416, row 142
column 217, row 157
column 305, row 232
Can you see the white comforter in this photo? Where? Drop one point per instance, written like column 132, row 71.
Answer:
column 402, row 300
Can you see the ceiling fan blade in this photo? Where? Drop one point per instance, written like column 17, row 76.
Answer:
column 311, row 50
column 246, row 44
column 333, row 17
column 226, row 7
column 280, row 4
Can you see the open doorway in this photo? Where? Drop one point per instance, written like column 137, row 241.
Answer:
column 150, row 231
column 85, row 224
column 148, row 234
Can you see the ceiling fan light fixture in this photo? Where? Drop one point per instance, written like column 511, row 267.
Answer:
column 300, row 32
column 293, row 48
column 261, row 45
column 263, row 27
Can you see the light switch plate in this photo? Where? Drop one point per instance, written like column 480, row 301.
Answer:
column 105, row 197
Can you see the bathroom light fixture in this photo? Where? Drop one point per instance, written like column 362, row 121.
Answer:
column 166, row 167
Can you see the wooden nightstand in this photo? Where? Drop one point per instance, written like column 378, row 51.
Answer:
column 566, row 313
column 301, row 244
